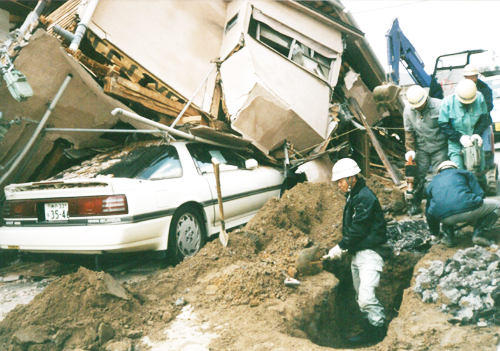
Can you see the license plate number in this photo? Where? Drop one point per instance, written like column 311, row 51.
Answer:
column 497, row 127
column 56, row 211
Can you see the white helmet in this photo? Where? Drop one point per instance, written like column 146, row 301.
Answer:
column 470, row 70
column 466, row 91
column 416, row 96
column 446, row 164
column 344, row 168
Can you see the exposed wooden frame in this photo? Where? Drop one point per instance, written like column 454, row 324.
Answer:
column 123, row 88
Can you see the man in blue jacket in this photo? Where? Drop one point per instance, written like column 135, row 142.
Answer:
column 364, row 235
column 454, row 196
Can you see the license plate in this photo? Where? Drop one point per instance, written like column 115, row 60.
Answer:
column 56, row 211
column 497, row 127
column 12, row 247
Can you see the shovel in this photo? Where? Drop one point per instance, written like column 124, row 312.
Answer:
column 223, row 237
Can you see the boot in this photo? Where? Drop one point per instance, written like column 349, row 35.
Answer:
column 482, row 230
column 448, row 235
column 370, row 335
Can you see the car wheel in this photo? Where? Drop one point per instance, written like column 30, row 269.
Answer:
column 187, row 234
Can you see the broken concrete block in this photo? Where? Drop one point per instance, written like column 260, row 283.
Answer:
column 32, row 334
column 124, row 345
column 430, row 296
column 115, row 288
column 10, row 278
column 437, row 268
column 105, row 332
column 134, row 334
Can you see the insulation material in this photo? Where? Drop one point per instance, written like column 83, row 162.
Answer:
column 268, row 101
column 174, row 40
column 359, row 91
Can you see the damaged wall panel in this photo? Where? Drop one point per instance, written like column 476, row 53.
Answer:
column 355, row 88
column 262, row 87
column 175, row 40
column 83, row 105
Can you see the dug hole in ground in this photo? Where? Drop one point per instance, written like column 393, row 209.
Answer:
column 234, row 298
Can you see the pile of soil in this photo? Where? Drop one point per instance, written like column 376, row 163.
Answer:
column 238, row 292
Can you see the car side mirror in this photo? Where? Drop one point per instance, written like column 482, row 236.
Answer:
column 251, row 163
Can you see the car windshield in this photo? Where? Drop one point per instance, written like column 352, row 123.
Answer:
column 154, row 162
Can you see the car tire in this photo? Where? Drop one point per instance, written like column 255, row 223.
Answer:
column 187, row 234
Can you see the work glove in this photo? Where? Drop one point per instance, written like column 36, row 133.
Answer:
column 466, row 141
column 334, row 254
column 408, row 154
column 478, row 138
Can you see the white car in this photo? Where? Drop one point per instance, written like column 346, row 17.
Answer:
column 160, row 197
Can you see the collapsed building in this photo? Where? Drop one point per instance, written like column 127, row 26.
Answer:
column 292, row 80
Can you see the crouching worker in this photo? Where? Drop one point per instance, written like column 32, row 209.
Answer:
column 364, row 232
column 454, row 196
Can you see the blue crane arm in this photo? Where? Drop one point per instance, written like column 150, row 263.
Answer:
column 399, row 48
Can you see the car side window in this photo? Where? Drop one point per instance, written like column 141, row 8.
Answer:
column 203, row 153
column 165, row 166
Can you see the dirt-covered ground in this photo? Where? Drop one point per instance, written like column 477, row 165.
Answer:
column 234, row 298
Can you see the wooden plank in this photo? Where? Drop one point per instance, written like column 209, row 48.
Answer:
column 120, row 87
column 132, row 69
column 221, row 137
column 99, row 69
column 216, row 97
column 375, row 142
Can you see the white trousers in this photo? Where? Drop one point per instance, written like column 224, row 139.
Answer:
column 366, row 267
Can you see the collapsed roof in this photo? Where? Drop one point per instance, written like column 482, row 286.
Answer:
column 279, row 74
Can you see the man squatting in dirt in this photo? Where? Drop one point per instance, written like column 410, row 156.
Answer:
column 364, row 235
column 424, row 141
column 454, row 196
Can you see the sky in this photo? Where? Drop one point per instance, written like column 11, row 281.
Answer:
column 433, row 27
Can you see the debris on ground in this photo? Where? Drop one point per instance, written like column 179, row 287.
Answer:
column 467, row 286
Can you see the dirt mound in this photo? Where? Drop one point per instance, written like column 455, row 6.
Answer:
column 240, row 288
column 70, row 312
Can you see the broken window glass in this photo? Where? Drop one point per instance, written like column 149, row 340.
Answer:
column 293, row 50
column 154, row 162
column 203, row 153
column 272, row 38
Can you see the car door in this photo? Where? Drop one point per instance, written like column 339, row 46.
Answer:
column 244, row 191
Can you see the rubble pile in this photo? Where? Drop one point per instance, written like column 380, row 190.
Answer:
column 409, row 235
column 467, row 286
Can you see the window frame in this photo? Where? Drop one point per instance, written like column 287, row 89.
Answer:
column 294, row 41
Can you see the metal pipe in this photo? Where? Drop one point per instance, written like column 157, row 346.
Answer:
column 38, row 128
column 33, row 16
column 194, row 95
column 102, row 130
column 82, row 26
column 122, row 112
column 63, row 32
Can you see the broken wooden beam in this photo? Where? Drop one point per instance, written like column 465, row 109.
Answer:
column 123, row 88
column 375, row 142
